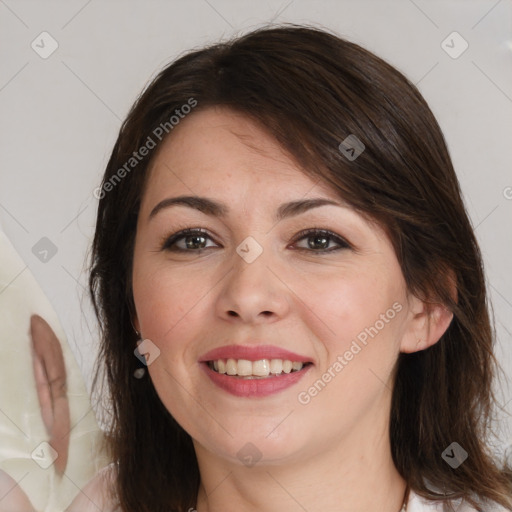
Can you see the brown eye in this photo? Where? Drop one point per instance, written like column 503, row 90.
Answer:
column 320, row 240
column 194, row 241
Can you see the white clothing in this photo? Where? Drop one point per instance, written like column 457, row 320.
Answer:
column 25, row 455
column 96, row 491
column 417, row 503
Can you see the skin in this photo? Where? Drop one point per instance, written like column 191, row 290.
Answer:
column 328, row 454
column 12, row 497
column 93, row 497
column 50, row 376
column 332, row 453
column 96, row 495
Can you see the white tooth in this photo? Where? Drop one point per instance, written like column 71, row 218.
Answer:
column 231, row 367
column 221, row 365
column 296, row 366
column 276, row 366
column 216, row 366
column 261, row 368
column 287, row 366
column 244, row 367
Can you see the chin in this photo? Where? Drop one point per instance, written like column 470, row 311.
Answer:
column 254, row 446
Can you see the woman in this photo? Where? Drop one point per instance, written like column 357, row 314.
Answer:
column 281, row 226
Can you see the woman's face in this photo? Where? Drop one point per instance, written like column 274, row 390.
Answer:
column 252, row 296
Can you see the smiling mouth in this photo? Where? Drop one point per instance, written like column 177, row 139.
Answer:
column 260, row 369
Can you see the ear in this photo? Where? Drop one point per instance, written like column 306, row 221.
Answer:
column 428, row 320
column 427, row 323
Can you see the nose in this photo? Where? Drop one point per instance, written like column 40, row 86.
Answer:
column 253, row 293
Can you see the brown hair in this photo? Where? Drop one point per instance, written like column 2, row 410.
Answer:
column 311, row 89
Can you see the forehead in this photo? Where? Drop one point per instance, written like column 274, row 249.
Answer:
column 217, row 148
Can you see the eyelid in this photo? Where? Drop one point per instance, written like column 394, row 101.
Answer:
column 340, row 240
column 167, row 241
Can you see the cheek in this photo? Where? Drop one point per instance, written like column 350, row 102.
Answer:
column 168, row 304
column 356, row 305
column 362, row 317
column 170, row 307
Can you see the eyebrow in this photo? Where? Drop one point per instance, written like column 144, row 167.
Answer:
column 216, row 209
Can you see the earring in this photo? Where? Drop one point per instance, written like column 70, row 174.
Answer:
column 141, row 371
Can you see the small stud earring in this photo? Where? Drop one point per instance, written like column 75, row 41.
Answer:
column 139, row 373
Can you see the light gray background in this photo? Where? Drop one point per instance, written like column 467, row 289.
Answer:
column 60, row 115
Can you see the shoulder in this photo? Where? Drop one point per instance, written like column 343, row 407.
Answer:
column 417, row 503
column 98, row 494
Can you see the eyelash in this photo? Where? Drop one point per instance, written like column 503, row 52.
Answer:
column 168, row 241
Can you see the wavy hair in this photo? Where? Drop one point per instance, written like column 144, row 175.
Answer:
column 310, row 89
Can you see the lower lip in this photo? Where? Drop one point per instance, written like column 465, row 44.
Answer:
column 254, row 388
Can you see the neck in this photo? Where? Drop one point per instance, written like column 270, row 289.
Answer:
column 357, row 475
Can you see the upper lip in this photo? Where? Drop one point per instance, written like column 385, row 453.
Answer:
column 252, row 353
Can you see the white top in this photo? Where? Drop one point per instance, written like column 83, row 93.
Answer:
column 419, row 504
column 97, row 486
